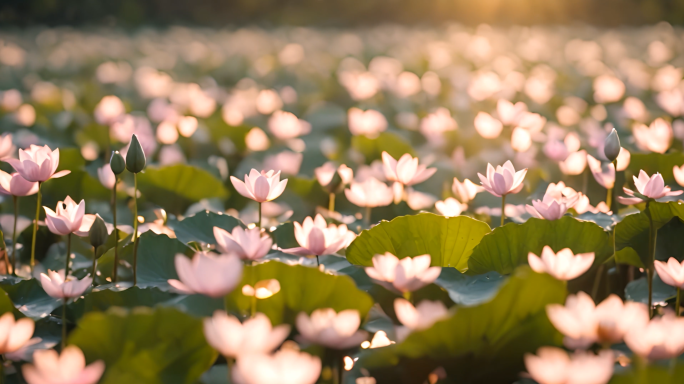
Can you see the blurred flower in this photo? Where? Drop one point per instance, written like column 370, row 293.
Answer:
column 417, row 200
column 227, row 335
column 25, row 115
column 268, row 101
column 68, row 218
column 248, row 244
column 583, row 205
column 556, row 150
column 325, row 174
column 207, row 274
column 512, row 210
column 502, row 180
column 406, row 275
column 553, row 366
column 187, row 125
column 263, row 289
column 6, row 146
column 623, row 159
column 510, row 113
column 56, row 286
column 369, row 123
column 487, row 126
column 563, row 265
column 11, row 99
column 465, row 191
column 603, row 174
column 574, row 164
column 108, row 110
column 420, row 317
column 369, row 193
column 70, row 368
column 14, row 334
column 360, row 85
column 435, row 124
column 635, row 109
column 167, row 132
column 553, row 205
column 330, row 329
column 450, row 207
column 671, row 273
column 260, row 187
column 256, row 140
column 660, row 338
column 655, row 138
column 521, row 140
column 286, row 162
column 406, row 171
column 285, row 125
column 16, row 185
column 38, row 164
column 106, row 176
column 533, row 122
column 317, row 238
column 286, row 366
column 608, row 89
column 648, row 188
column 583, row 323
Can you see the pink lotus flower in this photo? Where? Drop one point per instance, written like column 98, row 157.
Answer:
column 655, row 138
column 465, row 191
column 563, row 266
column 369, row 123
column 316, row 237
column 521, row 139
column 556, row 150
column 108, row 110
column 450, row 207
column 487, row 126
column 554, row 204
column 38, row 164
column 604, row 174
column 286, row 366
column 649, row 188
column 206, row 274
column 583, row 323
column 502, row 180
column 554, row 366
column 330, row 329
column 285, row 125
column 56, row 286
column 260, row 187
column 574, row 164
column 247, row 244
column 660, row 338
column 608, row 89
column 232, row 339
column 420, row 317
column 369, row 193
column 435, row 124
column 106, row 176
column 406, row 275
column 509, row 113
column 583, row 205
column 406, row 171
column 68, row 218
column 6, row 146
column 325, row 173
column 14, row 334
column 671, row 273
column 69, row 368
column 287, row 162
column 15, row 185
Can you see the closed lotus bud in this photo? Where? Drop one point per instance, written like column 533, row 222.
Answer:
column 135, row 158
column 611, row 147
column 117, row 163
column 98, row 232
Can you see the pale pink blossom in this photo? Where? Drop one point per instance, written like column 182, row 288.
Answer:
column 316, row 237
column 510, row 113
column 285, row 125
column 608, row 89
column 369, row 193
column 657, row 137
column 67, row 219
column 583, row 323
column 574, row 164
column 584, row 205
column 648, row 188
column 604, row 174
column 68, row 368
column 56, row 286
column 521, row 140
column 406, row 275
column 38, row 164
column 286, row 162
column 14, row 334
column 487, row 126
column 187, row 125
column 286, row 366
column 671, row 273
column 553, row 205
column 330, row 329
column 660, row 338
column 6, row 146
column 556, row 150
column 16, row 185
column 207, row 274
column 106, row 176
column 108, row 110
column 450, row 207
column 420, row 317
column 248, row 244
column 233, row 339
column 465, row 191
column 325, row 173
column 435, row 124
column 623, row 159
column 502, row 180
column 679, row 174
column 553, row 366
column 406, row 170
column 260, row 186
column 417, row 200
column 563, row 265
column 533, row 122
column 369, row 123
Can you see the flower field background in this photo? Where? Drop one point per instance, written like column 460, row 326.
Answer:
column 373, row 205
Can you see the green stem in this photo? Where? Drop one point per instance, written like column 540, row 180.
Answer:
column 116, row 232
column 651, row 257
column 14, row 236
column 407, row 295
column 679, row 293
column 503, row 209
column 135, row 229
column 259, row 222
column 609, row 197
column 336, row 368
column 35, row 229
column 318, row 262
column 611, row 207
column 94, row 264
column 331, row 202
column 368, row 217
column 597, row 282
column 64, row 323
column 68, row 257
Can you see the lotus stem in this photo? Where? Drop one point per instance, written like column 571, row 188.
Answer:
column 68, row 256
column 368, row 217
column 135, row 229
column 615, row 164
column 318, row 262
column 336, row 370
column 503, row 209
column 116, row 232
column 609, row 197
column 35, row 229
column 331, row 202
column 597, row 282
column 407, row 296
column 259, row 222
column 14, row 236
column 651, row 257
column 64, row 323
column 94, row 264
column 679, row 293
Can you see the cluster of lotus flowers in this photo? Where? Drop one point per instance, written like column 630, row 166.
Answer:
column 393, row 139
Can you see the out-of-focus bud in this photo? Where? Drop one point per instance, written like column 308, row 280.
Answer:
column 98, row 232
column 117, row 163
column 135, row 158
column 611, row 146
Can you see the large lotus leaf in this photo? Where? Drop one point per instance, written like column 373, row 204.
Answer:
column 163, row 345
column 200, row 226
column 101, row 299
column 303, row 289
column 449, row 241
column 390, row 142
column 5, row 303
column 475, row 339
column 656, row 162
column 637, row 290
column 507, row 247
column 29, row 297
column 176, row 187
column 470, row 290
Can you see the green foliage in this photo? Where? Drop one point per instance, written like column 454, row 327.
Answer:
column 200, row 226
column 390, row 142
column 656, row 162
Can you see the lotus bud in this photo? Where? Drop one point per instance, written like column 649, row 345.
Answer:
column 135, row 158
column 98, row 232
column 117, row 163
column 611, row 147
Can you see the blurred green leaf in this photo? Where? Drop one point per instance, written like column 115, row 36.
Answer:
column 29, row 297
column 656, row 162
column 637, row 290
column 200, row 226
